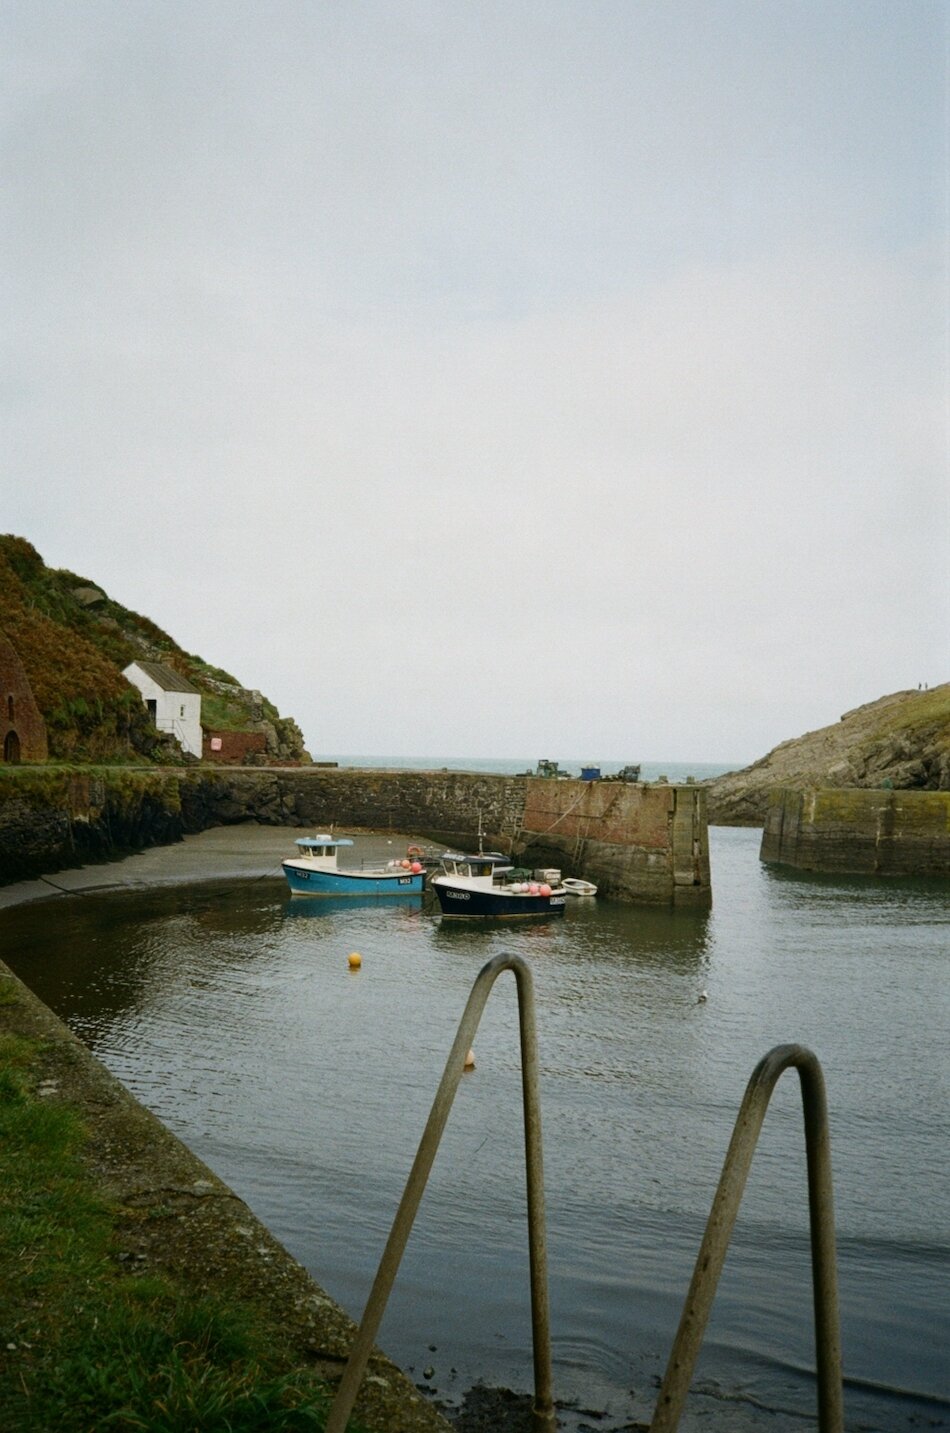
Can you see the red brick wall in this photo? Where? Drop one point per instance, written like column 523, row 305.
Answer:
column 232, row 748
column 18, row 710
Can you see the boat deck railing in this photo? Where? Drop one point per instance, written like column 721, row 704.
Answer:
column 712, row 1252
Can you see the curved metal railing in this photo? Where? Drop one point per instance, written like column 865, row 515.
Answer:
column 719, row 1226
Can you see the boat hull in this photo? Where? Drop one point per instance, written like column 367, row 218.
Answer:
column 305, row 882
column 575, row 887
column 466, row 903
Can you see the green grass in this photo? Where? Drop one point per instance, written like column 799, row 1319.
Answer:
column 85, row 1345
column 223, row 713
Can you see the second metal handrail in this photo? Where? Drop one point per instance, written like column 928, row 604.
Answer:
column 719, row 1226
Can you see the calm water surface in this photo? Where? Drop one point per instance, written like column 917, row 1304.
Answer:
column 232, row 1013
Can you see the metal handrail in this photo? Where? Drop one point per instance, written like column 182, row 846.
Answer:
column 722, row 1217
column 543, row 1417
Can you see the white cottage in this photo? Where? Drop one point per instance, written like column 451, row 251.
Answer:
column 173, row 703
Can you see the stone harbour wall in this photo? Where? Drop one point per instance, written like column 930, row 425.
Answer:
column 638, row 842
column 859, row 831
column 643, row 842
column 52, row 818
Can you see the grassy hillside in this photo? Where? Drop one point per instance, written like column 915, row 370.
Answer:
column 74, row 642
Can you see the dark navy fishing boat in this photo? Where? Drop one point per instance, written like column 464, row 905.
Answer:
column 488, row 885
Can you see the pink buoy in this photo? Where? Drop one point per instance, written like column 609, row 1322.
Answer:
column 415, row 868
column 534, row 888
column 544, row 889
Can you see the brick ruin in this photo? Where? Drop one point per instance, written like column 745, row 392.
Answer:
column 22, row 728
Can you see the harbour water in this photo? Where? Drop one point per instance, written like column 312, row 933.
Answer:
column 231, row 1011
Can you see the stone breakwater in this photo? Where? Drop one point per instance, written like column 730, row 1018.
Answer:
column 889, row 833
column 644, row 842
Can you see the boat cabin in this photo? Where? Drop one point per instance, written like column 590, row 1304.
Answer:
column 488, row 865
column 315, row 848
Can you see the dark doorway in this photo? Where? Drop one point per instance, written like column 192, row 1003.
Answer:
column 11, row 748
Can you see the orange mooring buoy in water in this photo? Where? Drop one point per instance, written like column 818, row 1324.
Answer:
column 354, row 960
column 470, row 1060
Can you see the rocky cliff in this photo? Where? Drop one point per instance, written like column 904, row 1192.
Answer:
column 899, row 742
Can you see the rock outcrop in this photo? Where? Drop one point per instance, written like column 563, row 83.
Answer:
column 900, row 742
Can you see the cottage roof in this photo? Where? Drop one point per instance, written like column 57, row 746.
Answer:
column 166, row 678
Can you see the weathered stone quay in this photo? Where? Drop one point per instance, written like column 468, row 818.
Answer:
column 644, row 842
column 849, row 830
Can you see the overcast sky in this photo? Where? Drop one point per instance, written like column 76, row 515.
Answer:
column 485, row 377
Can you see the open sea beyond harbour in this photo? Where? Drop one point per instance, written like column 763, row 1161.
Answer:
column 514, row 766
column 230, row 1010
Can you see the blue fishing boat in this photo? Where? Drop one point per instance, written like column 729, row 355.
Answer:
column 315, row 872
column 488, row 885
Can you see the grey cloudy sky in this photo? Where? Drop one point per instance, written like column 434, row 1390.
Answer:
column 491, row 378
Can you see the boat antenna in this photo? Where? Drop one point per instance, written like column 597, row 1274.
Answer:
column 480, row 848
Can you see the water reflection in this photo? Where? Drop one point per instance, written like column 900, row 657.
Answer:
column 323, row 907
column 863, row 887
column 590, row 931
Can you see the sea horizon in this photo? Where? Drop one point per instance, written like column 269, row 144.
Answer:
column 673, row 771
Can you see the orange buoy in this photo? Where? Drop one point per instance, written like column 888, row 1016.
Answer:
column 354, row 960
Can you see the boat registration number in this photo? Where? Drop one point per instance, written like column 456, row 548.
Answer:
column 458, row 895
column 405, row 880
